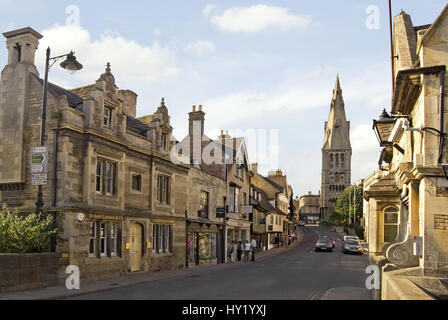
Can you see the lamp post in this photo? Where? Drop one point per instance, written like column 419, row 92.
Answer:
column 71, row 65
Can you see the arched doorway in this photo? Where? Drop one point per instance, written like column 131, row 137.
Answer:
column 136, row 233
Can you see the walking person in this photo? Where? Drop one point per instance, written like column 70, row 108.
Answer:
column 253, row 245
column 239, row 251
column 246, row 251
column 233, row 252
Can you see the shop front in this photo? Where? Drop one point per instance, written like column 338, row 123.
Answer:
column 204, row 243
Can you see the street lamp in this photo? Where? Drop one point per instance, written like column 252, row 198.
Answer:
column 383, row 128
column 71, row 65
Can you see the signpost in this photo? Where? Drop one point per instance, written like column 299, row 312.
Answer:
column 39, row 166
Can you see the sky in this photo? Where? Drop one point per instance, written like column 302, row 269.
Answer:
column 261, row 69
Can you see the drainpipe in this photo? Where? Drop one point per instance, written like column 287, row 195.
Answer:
column 55, row 163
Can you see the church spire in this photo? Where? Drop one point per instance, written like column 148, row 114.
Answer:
column 337, row 129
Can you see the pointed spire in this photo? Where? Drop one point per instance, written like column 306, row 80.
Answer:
column 338, row 84
column 162, row 107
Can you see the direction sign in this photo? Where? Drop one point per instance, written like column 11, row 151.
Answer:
column 39, row 166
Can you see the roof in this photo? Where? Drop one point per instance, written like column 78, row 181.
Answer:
column 434, row 26
column 73, row 99
column 136, row 126
column 264, row 203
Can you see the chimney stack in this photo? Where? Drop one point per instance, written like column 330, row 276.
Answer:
column 254, row 167
column 196, row 120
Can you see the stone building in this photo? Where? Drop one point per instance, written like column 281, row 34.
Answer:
column 276, row 189
column 205, row 233
column 119, row 201
column 406, row 200
column 225, row 158
column 336, row 154
column 309, row 208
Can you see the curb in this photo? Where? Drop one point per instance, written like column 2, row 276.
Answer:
column 181, row 273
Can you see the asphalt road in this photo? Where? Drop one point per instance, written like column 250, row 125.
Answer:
column 298, row 274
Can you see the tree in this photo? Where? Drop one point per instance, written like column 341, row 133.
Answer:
column 345, row 212
column 25, row 234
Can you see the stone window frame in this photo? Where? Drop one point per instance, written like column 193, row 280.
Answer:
column 103, row 177
column 109, row 117
column 384, row 224
column 161, row 197
column 204, row 205
column 140, row 182
column 162, row 242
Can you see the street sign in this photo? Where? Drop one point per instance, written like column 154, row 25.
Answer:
column 220, row 212
column 39, row 166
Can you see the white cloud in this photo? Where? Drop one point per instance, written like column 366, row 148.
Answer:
column 258, row 17
column 157, row 32
column 131, row 62
column 208, row 9
column 200, row 47
column 9, row 27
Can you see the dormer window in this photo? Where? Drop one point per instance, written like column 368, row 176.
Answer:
column 107, row 119
column 163, row 141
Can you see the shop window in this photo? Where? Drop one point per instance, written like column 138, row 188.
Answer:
column 137, row 182
column 93, row 237
column 113, row 239
column 163, row 189
column 105, row 239
column 390, row 224
column 162, row 238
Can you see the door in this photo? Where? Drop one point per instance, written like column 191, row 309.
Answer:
column 136, row 247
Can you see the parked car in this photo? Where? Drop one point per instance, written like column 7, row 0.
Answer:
column 301, row 223
column 324, row 244
column 352, row 246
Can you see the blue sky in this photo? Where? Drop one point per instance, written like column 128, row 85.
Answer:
column 253, row 65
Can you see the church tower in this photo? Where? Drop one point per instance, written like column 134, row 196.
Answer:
column 336, row 154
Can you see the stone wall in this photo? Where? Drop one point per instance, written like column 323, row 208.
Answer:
column 31, row 270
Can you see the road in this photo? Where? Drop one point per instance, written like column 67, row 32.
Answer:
column 298, row 274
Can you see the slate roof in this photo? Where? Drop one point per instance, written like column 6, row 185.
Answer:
column 136, row 126
column 73, row 99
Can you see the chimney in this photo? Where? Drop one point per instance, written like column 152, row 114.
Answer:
column 254, row 167
column 196, row 121
column 22, row 45
column 129, row 99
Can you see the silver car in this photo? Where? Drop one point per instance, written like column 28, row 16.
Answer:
column 352, row 246
column 324, row 244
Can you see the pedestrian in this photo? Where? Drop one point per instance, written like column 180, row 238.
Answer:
column 246, row 251
column 253, row 245
column 239, row 251
column 233, row 252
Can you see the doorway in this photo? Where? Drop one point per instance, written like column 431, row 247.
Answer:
column 136, row 233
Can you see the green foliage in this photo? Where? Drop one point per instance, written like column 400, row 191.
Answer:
column 25, row 234
column 345, row 207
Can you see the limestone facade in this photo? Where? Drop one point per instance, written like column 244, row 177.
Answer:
column 106, row 166
column 406, row 200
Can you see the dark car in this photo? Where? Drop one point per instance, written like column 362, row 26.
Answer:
column 352, row 246
column 324, row 244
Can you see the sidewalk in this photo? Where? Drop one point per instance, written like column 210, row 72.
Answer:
column 60, row 292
